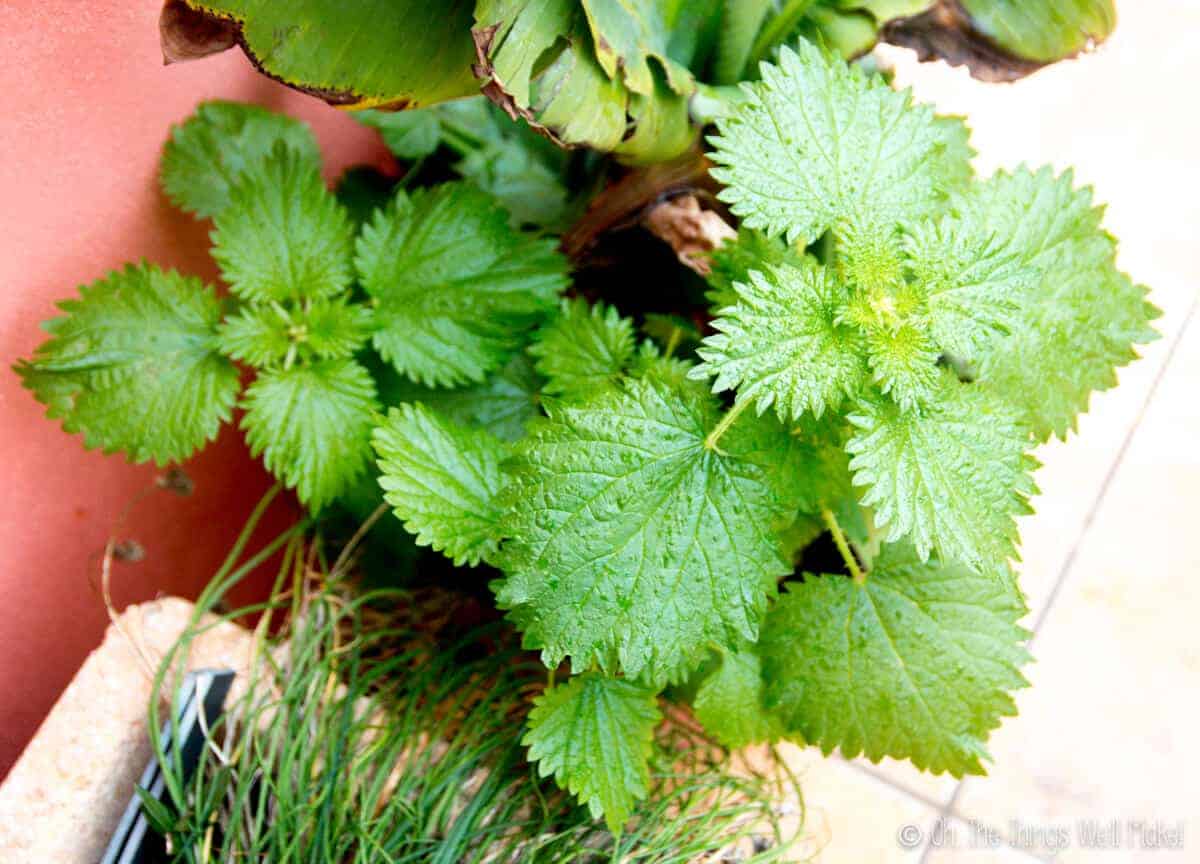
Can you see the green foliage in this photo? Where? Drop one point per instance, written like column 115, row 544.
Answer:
column 442, row 479
column 987, row 279
column 283, row 235
column 594, row 733
column 416, row 754
column 206, row 155
column 311, row 424
column 1043, row 32
column 133, row 365
column 628, row 543
column 265, row 335
column 521, row 169
column 950, row 477
column 625, row 61
column 916, row 662
column 905, row 334
column 374, row 52
column 1082, row 316
column 618, row 76
column 583, row 349
column 504, row 404
column 454, row 286
column 730, row 702
column 782, row 344
column 820, row 143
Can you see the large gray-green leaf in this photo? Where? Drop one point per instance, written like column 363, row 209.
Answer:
column 400, row 53
column 547, row 59
column 1002, row 40
column 1043, row 30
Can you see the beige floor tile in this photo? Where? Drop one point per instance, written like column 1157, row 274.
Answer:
column 1111, row 116
column 851, row 817
column 1108, row 731
column 936, row 789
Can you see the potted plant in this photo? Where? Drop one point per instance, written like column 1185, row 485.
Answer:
column 765, row 474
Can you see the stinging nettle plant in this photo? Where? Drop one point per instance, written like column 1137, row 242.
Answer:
column 888, row 338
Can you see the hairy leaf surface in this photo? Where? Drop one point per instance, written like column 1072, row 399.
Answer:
column 950, row 476
column 282, row 234
column 1082, row 318
column 594, row 733
column 915, row 663
column 441, row 480
column 585, row 348
column 312, row 426
column 631, row 546
column 267, row 334
column 730, row 702
column 781, row 344
column 504, row 404
column 817, row 142
column 457, row 289
column 206, row 155
column 132, row 364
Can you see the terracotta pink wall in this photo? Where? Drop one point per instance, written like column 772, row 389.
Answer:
column 87, row 103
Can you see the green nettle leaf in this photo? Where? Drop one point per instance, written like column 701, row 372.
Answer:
column 391, row 53
column 503, row 404
column 312, row 426
column 817, row 142
column 903, row 364
column 583, row 349
column 257, row 335
column 283, row 235
column 917, row 662
column 954, row 162
column 1083, row 316
column 950, row 476
column 133, row 365
column 628, row 543
column 441, row 480
column 267, row 334
column 206, row 155
column 736, row 259
column 332, row 328
column 973, row 285
column 781, row 344
column 729, row 703
column 820, row 468
column 456, row 288
column 594, row 734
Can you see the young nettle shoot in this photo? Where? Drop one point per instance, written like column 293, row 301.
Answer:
column 888, row 340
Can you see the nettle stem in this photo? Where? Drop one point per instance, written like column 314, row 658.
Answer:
column 710, row 443
column 839, row 539
column 672, row 342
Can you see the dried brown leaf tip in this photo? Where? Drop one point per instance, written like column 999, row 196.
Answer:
column 189, row 34
column 693, row 232
column 947, row 31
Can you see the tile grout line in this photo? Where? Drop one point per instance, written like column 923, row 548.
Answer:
column 947, row 811
column 894, row 785
column 1109, row 476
